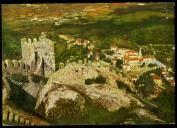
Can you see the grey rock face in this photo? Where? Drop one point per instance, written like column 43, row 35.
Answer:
column 61, row 102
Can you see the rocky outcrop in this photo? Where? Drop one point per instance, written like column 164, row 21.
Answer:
column 66, row 95
column 61, row 102
column 62, row 99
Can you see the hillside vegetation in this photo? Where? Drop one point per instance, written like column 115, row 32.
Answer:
column 126, row 25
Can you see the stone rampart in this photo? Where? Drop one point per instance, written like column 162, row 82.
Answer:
column 13, row 117
column 84, row 62
column 16, row 67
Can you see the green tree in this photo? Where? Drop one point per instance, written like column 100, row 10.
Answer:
column 145, row 84
column 143, row 65
column 151, row 65
column 119, row 63
column 100, row 79
column 166, row 105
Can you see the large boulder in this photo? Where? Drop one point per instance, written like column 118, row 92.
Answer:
column 60, row 102
column 63, row 100
column 66, row 95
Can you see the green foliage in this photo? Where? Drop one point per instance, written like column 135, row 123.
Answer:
column 98, row 80
column 107, row 60
column 145, row 84
column 143, row 65
column 89, row 81
column 147, row 35
column 10, row 44
column 110, row 52
column 156, row 71
column 166, row 105
column 63, row 54
column 123, row 86
column 102, row 56
column 151, row 65
column 119, row 63
column 37, row 79
column 59, row 51
column 94, row 114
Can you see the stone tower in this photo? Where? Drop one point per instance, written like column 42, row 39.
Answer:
column 39, row 54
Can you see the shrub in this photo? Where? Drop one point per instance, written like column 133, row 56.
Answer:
column 89, row 81
column 166, row 105
column 123, row 86
column 100, row 80
column 119, row 63
column 151, row 65
column 148, row 83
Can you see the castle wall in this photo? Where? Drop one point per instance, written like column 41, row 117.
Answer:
column 15, row 67
column 12, row 117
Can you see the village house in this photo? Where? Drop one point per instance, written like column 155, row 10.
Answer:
column 133, row 62
column 148, row 59
column 131, row 53
column 120, row 53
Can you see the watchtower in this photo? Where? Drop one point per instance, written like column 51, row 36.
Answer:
column 39, row 54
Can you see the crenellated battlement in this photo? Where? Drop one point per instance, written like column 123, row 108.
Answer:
column 84, row 62
column 15, row 67
column 29, row 40
column 13, row 116
column 35, row 40
column 42, row 37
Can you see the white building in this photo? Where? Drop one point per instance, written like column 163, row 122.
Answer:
column 121, row 52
